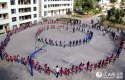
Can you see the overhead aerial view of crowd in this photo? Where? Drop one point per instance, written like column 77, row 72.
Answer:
column 72, row 26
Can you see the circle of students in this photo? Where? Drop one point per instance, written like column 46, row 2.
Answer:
column 59, row 71
column 72, row 43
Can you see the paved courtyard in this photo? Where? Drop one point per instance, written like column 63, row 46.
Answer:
column 23, row 43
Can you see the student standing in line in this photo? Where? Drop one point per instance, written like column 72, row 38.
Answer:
column 57, row 71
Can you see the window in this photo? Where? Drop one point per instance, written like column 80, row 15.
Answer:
column 34, row 1
column 13, row 19
column 0, row 16
column 45, row 0
column 1, row 27
column 45, row 6
column 35, row 15
column 48, row 6
column 4, row 16
column 12, row 2
column 13, row 11
column 51, row 5
column 45, row 13
column 34, row 8
column 3, row 5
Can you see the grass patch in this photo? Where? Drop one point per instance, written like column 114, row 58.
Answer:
column 116, row 25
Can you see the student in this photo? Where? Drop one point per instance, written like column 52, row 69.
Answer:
column 80, row 42
column 61, row 71
column 103, row 62
column 65, row 71
column 70, row 44
column 76, row 69
column 25, row 62
column 1, row 53
column 88, row 65
column 36, row 66
column 11, row 58
column 91, row 67
column 57, row 71
column 28, row 59
column 114, row 59
column 99, row 64
column 33, row 63
column 95, row 66
column 73, row 69
column 118, row 52
column 104, row 33
column 15, row 58
column 83, row 40
column 106, row 62
column 68, row 72
column 80, row 67
column 45, row 67
column 7, row 57
column 48, row 70
column 22, row 60
column 19, row 59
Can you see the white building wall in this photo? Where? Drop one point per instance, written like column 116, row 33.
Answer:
column 17, row 14
column 53, row 11
column 104, row 2
column 4, row 22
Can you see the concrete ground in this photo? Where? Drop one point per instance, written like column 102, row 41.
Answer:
column 23, row 43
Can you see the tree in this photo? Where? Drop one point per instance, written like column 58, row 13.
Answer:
column 77, row 4
column 118, row 16
column 88, row 5
column 114, row 15
column 102, row 18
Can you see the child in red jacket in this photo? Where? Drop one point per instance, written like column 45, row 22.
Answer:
column 61, row 71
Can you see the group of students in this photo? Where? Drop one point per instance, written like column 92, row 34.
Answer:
column 59, row 71
column 61, row 21
column 4, row 43
column 90, row 66
column 82, row 27
column 73, row 43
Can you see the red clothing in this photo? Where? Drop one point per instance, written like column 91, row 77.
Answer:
column 11, row 59
column 61, row 71
column 45, row 66
column 48, row 71
column 68, row 72
column 28, row 59
column 73, row 69
column 15, row 58
column 33, row 62
column 76, row 69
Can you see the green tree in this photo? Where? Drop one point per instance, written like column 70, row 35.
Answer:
column 118, row 16
column 88, row 5
column 77, row 4
column 102, row 18
column 114, row 15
